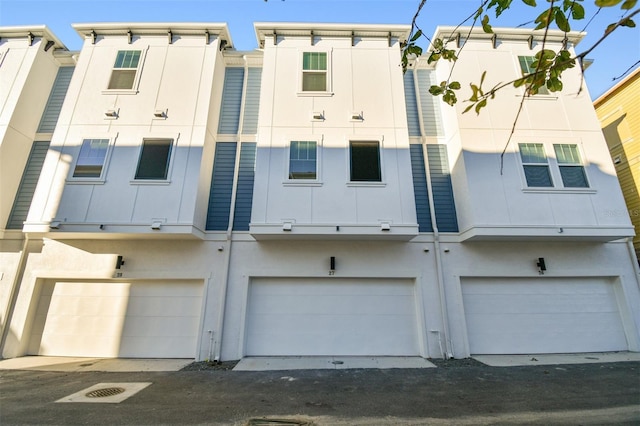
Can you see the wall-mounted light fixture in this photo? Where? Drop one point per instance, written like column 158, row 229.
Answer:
column 357, row 116
column 287, row 226
column 55, row 224
column 119, row 262
column 332, row 265
column 160, row 113
column 541, row 265
column 317, row 115
column 102, row 227
column 385, row 226
column 156, row 225
column 111, row 113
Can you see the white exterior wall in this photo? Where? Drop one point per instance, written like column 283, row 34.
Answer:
column 365, row 78
column 177, row 78
column 497, row 203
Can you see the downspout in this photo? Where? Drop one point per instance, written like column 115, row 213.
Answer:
column 436, row 234
column 234, row 192
column 13, row 296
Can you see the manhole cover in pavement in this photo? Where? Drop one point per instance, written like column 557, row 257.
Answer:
column 103, row 393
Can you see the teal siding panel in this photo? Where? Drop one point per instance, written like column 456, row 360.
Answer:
column 56, row 98
column 231, row 101
column 221, row 187
column 244, row 191
column 442, row 188
column 430, row 105
column 27, row 187
column 252, row 102
column 411, row 104
column 420, row 190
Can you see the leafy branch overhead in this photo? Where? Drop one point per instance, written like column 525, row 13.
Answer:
column 548, row 66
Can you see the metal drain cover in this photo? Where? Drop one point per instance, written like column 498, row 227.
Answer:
column 104, row 392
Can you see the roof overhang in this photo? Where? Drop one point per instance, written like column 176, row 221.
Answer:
column 551, row 36
column 41, row 31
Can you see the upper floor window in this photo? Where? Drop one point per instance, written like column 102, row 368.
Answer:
column 153, row 163
column 124, row 72
column 570, row 165
column 91, row 159
column 527, row 67
column 315, row 72
column 535, row 165
column 539, row 170
column 303, row 160
column 365, row 161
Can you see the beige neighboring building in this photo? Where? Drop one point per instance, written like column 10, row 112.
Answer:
column 619, row 113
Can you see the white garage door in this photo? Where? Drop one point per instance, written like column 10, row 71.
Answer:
column 331, row 317
column 116, row 319
column 545, row 315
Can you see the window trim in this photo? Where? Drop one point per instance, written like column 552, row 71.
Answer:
column 136, row 81
column 303, row 182
column 300, row 71
column 170, row 160
column 546, row 164
column 105, row 165
column 540, row 95
column 364, row 138
column 554, row 168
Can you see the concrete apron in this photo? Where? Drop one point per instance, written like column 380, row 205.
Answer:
column 74, row 364
column 556, row 359
column 329, row 363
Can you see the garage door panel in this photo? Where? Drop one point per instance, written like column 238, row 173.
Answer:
column 542, row 315
column 107, row 319
column 331, row 317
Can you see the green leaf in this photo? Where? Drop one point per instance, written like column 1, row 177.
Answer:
column 485, row 25
column 478, row 13
column 435, row 90
column 544, row 19
column 628, row 4
column 454, row 85
column 467, row 109
column 562, row 21
column 610, row 28
column 480, row 105
column 607, row 3
column 531, row 3
column 416, row 36
column 554, row 85
column 628, row 23
column 484, row 74
column 519, row 82
column 577, row 11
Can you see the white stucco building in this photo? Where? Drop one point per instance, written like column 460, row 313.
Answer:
column 305, row 198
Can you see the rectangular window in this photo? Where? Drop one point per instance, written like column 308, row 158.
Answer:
column 91, row 158
column 535, row 164
column 303, row 160
column 365, row 161
column 154, row 159
column 124, row 72
column 570, row 165
column 526, row 65
column 314, row 72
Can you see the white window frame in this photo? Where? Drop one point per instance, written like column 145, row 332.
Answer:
column 170, row 159
column 546, row 164
column 365, row 138
column 301, row 71
column 136, row 80
column 303, row 182
column 543, row 92
column 105, row 165
column 580, row 164
column 554, row 167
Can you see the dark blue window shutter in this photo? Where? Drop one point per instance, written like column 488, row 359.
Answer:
column 411, row 104
column 430, row 105
column 231, row 101
column 56, row 98
column 27, row 187
column 442, row 189
column 221, row 187
column 244, row 191
column 420, row 190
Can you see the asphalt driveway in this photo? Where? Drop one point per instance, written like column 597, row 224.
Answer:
column 457, row 392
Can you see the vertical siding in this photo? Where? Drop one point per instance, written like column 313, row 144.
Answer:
column 244, row 194
column 420, row 190
column 411, row 104
column 27, row 186
column 56, row 98
column 430, row 105
column 221, row 187
column 231, row 101
column 443, row 201
column 252, row 102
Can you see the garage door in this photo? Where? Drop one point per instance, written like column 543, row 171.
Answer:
column 542, row 315
column 116, row 319
column 331, row 317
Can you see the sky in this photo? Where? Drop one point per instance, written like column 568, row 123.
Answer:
column 612, row 58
